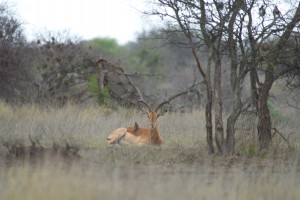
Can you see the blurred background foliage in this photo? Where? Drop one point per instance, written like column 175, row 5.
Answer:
column 108, row 46
column 57, row 68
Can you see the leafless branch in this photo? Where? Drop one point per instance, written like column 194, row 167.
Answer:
column 185, row 91
column 289, row 104
column 279, row 133
column 137, row 74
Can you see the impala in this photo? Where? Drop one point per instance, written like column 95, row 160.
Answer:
column 140, row 136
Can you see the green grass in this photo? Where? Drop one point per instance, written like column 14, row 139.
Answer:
column 180, row 169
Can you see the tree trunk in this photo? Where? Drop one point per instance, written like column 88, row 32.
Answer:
column 230, row 130
column 235, row 77
column 208, row 109
column 219, row 132
column 208, row 117
column 230, row 140
column 237, row 105
column 264, row 119
column 231, row 120
column 100, row 76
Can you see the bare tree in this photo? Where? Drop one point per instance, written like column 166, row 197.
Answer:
column 203, row 23
column 231, row 27
column 251, row 50
column 268, row 41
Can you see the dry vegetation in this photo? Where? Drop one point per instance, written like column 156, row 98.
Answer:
column 180, row 169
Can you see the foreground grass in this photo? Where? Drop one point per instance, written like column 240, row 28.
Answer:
column 60, row 181
column 180, row 169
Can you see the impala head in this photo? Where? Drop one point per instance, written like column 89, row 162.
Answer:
column 152, row 114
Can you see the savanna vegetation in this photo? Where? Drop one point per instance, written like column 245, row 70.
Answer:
column 36, row 162
column 210, row 60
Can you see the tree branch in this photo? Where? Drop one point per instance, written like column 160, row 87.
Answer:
column 287, row 142
column 187, row 90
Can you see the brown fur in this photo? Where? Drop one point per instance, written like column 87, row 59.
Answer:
column 136, row 135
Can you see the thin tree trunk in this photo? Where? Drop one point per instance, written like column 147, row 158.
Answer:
column 253, row 64
column 236, row 111
column 230, row 140
column 208, row 117
column 253, row 81
column 100, row 76
column 230, row 130
column 264, row 120
column 219, row 132
column 235, row 77
column 208, row 108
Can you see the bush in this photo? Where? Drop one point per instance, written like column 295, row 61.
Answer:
column 15, row 56
column 104, row 45
column 103, row 97
column 274, row 113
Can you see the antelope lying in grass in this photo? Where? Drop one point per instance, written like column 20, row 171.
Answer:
column 140, row 136
column 136, row 135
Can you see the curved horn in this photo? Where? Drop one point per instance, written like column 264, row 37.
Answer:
column 147, row 105
column 160, row 105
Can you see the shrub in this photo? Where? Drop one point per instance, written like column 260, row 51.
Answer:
column 274, row 113
column 103, row 97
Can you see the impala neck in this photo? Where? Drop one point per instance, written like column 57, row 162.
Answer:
column 154, row 131
column 155, row 136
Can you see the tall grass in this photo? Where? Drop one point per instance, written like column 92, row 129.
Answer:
column 90, row 126
column 180, row 169
column 149, row 182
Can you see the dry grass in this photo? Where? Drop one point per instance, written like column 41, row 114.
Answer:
column 148, row 182
column 180, row 169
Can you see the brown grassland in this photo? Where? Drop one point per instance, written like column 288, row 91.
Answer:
column 180, row 169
